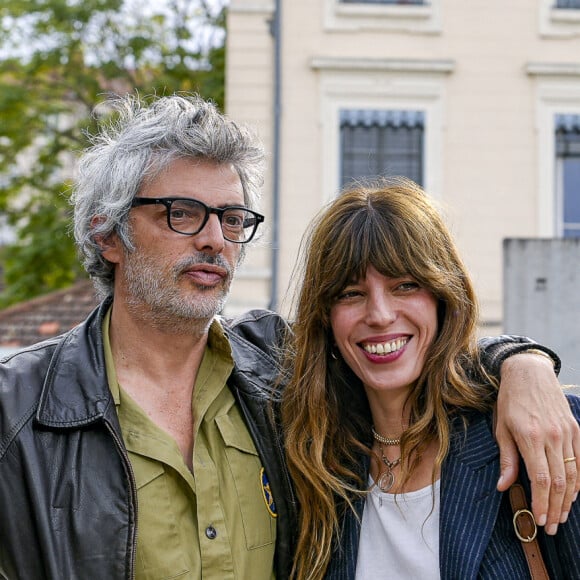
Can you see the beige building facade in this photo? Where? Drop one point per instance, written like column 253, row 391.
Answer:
column 477, row 100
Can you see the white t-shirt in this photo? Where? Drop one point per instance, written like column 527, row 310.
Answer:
column 399, row 537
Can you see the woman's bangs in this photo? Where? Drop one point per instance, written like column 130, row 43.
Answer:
column 385, row 248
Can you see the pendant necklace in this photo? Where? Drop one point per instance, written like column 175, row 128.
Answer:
column 386, row 478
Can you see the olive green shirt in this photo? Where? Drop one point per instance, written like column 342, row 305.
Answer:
column 213, row 522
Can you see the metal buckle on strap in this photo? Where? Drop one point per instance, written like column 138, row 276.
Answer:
column 531, row 523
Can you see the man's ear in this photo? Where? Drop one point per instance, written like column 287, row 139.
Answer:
column 110, row 245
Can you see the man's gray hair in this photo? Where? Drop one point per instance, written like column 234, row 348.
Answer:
column 134, row 148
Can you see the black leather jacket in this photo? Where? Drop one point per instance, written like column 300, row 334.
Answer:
column 68, row 501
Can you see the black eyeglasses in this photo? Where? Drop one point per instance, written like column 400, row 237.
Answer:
column 188, row 217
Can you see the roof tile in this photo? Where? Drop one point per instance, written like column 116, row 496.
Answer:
column 29, row 322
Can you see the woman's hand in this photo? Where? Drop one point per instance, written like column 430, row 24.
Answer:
column 534, row 418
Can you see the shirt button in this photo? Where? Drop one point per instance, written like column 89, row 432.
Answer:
column 211, row 532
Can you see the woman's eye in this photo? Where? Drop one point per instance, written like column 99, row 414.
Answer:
column 346, row 294
column 408, row 286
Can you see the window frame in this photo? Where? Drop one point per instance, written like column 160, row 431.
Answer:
column 556, row 22
column 562, row 4
column 562, row 224
column 386, row 2
column 557, row 92
column 382, row 84
column 393, row 122
column 424, row 18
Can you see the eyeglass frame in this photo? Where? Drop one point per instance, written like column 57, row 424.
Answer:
column 219, row 211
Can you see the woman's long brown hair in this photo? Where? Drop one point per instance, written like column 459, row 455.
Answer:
column 393, row 226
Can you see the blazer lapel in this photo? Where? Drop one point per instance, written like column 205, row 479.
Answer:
column 342, row 565
column 469, row 500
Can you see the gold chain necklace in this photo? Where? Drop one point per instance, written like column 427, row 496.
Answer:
column 385, row 440
column 387, row 477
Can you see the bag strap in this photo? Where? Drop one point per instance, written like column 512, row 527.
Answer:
column 527, row 531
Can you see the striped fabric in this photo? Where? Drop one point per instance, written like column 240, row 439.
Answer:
column 475, row 530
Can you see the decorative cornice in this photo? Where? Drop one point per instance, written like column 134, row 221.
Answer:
column 553, row 68
column 254, row 8
column 382, row 64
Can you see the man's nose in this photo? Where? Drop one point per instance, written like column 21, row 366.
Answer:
column 211, row 237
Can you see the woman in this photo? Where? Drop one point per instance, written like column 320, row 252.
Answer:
column 388, row 433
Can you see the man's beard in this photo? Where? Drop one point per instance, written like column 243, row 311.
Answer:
column 168, row 303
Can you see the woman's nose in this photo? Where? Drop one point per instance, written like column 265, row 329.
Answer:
column 381, row 310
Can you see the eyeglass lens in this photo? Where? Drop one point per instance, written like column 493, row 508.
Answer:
column 189, row 217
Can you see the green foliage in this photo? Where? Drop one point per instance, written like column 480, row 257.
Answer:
column 58, row 59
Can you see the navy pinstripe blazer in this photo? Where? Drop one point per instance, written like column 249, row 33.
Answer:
column 476, row 536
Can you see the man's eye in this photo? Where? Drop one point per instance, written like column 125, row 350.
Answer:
column 178, row 214
column 234, row 221
column 186, row 213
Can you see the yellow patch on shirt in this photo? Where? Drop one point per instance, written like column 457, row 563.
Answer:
column 267, row 493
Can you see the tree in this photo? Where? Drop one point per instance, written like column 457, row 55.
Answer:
column 58, row 60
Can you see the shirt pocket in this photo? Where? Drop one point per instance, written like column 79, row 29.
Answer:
column 251, row 485
column 159, row 543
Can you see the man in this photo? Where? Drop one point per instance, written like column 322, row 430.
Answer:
column 140, row 443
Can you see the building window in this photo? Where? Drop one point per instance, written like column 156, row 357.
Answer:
column 401, row 2
column 567, row 4
column 568, row 174
column 377, row 142
column 409, row 16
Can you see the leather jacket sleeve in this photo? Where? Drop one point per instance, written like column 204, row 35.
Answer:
column 495, row 349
